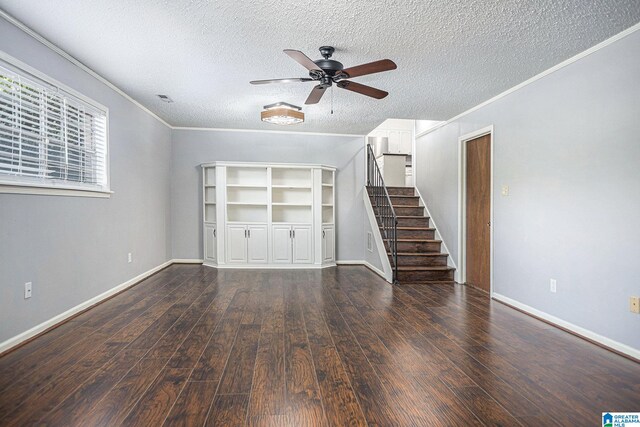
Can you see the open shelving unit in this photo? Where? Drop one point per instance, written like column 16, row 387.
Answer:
column 209, row 178
column 259, row 214
column 292, row 195
column 328, row 197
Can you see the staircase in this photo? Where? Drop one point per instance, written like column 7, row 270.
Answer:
column 419, row 256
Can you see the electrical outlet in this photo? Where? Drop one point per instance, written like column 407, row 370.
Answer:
column 634, row 305
column 552, row 285
column 27, row 290
column 505, row 190
column 129, row 257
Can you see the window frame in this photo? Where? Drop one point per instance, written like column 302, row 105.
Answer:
column 18, row 184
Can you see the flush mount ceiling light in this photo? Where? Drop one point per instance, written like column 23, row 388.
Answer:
column 282, row 113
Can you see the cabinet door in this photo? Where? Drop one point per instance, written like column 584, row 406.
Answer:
column 257, row 244
column 328, row 244
column 405, row 142
column 236, row 244
column 394, row 142
column 302, row 244
column 281, row 244
column 210, row 242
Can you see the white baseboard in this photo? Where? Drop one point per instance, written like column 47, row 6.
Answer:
column 38, row 329
column 366, row 264
column 187, row 261
column 585, row 333
column 271, row 266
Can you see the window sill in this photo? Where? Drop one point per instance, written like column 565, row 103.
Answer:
column 7, row 188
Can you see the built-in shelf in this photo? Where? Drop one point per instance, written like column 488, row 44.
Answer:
column 245, row 186
column 268, row 214
column 292, row 187
column 246, row 204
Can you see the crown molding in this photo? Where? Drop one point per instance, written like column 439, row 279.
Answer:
column 203, row 129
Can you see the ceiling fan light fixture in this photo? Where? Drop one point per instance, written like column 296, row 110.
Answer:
column 282, row 113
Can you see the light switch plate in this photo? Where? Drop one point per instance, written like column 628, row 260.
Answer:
column 505, row 190
column 553, row 285
column 634, row 305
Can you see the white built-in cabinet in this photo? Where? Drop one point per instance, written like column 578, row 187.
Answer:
column 268, row 215
column 400, row 141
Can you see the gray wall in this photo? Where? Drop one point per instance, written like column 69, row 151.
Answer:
column 194, row 147
column 568, row 146
column 73, row 249
column 373, row 256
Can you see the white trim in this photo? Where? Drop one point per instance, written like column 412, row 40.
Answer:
column 17, row 66
column 373, row 223
column 266, row 266
column 20, row 338
column 585, row 333
column 205, row 129
column 364, row 264
column 438, row 236
column 18, row 24
column 52, row 191
column 553, row 69
column 187, row 261
column 462, row 202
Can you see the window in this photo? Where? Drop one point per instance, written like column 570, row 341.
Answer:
column 49, row 137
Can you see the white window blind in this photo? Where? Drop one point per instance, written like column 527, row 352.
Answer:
column 49, row 137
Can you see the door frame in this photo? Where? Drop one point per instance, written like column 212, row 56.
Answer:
column 462, row 203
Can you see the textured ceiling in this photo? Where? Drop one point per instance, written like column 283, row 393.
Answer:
column 451, row 55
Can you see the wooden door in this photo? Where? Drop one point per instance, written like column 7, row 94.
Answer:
column 328, row 244
column 478, row 212
column 302, row 247
column 281, row 244
column 210, row 242
column 257, row 244
column 236, row 244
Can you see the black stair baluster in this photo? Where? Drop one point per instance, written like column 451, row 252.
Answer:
column 383, row 209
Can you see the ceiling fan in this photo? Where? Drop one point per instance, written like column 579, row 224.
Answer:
column 328, row 71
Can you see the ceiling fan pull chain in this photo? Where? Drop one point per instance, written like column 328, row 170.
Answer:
column 332, row 99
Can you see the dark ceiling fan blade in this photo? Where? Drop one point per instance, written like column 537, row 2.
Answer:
column 316, row 94
column 302, row 59
column 290, row 80
column 363, row 89
column 370, row 68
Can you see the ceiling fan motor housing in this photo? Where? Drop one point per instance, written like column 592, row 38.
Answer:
column 329, row 66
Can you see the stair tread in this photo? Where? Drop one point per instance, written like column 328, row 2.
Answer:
column 404, row 195
column 420, row 240
column 412, row 216
column 420, row 254
column 429, row 282
column 406, row 206
column 424, row 268
column 404, row 227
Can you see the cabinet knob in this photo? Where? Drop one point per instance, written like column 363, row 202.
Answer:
column 214, row 232
column 323, row 234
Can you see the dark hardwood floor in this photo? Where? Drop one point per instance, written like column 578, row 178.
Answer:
column 193, row 345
